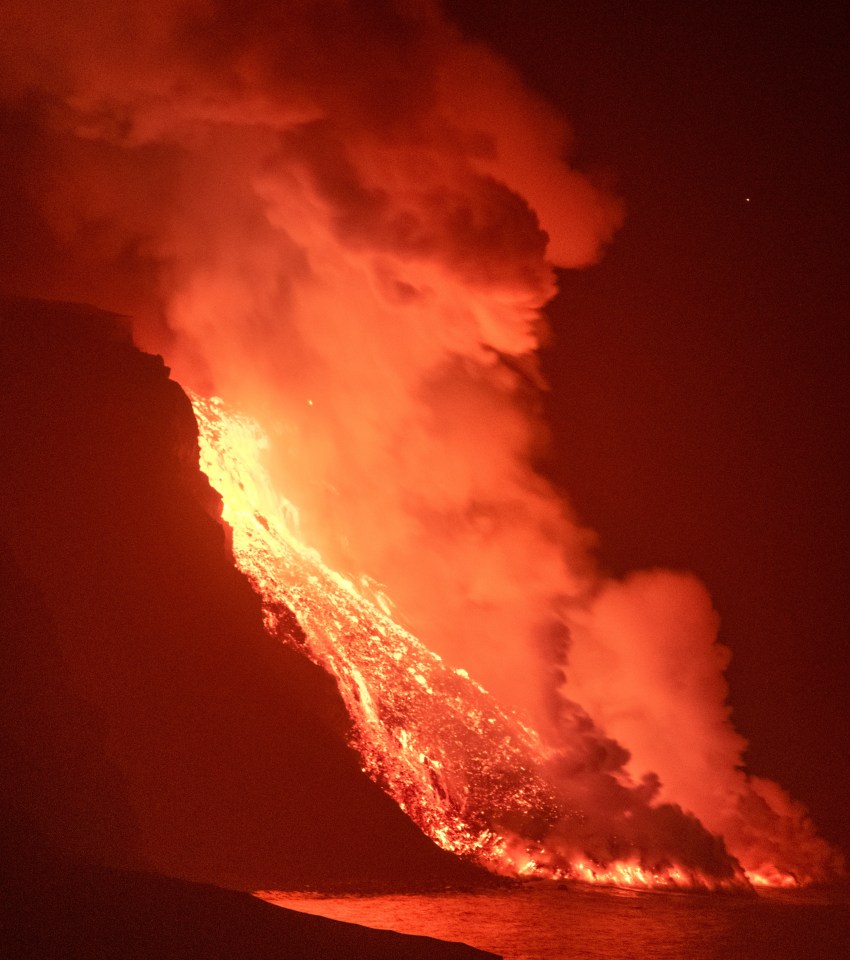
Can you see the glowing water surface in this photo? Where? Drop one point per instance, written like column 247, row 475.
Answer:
column 544, row 922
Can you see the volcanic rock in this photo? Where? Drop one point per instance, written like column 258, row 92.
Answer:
column 91, row 912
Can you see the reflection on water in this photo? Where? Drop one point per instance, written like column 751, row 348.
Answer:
column 553, row 923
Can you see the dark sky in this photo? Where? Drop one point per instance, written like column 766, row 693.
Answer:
column 699, row 390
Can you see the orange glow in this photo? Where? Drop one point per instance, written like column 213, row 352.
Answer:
column 772, row 878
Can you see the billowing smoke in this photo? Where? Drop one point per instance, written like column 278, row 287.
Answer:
column 345, row 218
column 646, row 664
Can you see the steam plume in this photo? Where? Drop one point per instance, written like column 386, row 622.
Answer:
column 344, row 218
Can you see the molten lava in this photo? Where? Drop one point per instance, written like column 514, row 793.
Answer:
column 432, row 737
column 470, row 774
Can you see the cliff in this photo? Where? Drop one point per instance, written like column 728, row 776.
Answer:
column 148, row 720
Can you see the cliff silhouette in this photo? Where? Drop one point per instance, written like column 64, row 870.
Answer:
column 148, row 721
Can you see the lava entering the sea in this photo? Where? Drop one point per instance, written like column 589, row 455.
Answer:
column 475, row 777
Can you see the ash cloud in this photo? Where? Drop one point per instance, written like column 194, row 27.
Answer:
column 345, row 218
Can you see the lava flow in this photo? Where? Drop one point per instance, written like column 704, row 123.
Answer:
column 471, row 775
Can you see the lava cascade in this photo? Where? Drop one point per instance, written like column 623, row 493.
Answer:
column 472, row 775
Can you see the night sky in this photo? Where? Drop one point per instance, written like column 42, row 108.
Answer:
column 699, row 394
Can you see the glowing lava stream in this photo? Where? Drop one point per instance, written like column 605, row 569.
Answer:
column 469, row 774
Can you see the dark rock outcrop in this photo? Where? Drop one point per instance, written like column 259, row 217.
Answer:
column 148, row 719
column 110, row 915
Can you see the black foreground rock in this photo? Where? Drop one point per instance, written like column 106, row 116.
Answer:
column 90, row 913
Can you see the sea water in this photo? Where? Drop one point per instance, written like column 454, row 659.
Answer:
column 544, row 922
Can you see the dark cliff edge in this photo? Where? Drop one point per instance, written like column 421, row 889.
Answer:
column 148, row 723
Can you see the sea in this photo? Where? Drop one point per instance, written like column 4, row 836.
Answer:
column 549, row 922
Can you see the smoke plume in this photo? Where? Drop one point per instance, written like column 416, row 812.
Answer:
column 345, row 219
